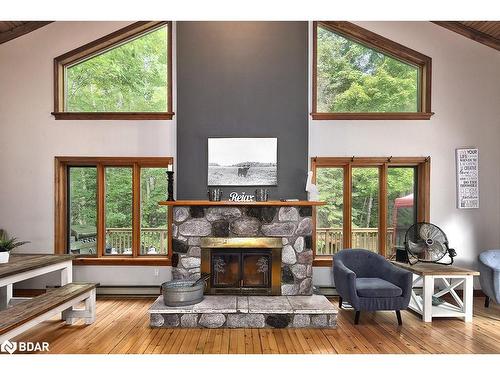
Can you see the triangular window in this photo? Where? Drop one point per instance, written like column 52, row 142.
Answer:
column 126, row 74
column 361, row 75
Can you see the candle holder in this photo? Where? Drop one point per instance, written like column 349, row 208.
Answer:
column 170, row 186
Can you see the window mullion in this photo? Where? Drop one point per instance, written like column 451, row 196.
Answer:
column 347, row 206
column 101, row 220
column 382, row 207
column 423, row 197
column 136, row 210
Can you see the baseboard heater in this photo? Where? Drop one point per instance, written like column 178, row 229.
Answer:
column 155, row 290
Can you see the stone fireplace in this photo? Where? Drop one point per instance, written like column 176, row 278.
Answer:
column 255, row 251
column 242, row 266
column 243, row 237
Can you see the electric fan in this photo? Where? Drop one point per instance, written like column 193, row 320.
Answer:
column 426, row 242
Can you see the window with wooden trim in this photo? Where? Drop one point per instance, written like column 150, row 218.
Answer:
column 370, row 203
column 107, row 211
column 358, row 74
column 124, row 75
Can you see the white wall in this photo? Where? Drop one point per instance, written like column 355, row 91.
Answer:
column 30, row 138
column 466, row 102
column 465, row 98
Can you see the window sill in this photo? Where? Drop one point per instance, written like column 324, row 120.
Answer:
column 113, row 115
column 372, row 116
column 323, row 261
column 122, row 261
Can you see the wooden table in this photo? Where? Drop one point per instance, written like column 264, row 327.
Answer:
column 26, row 266
column 450, row 277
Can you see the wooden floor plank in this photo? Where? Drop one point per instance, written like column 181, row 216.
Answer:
column 256, row 343
column 280, row 341
column 209, row 343
column 303, row 341
column 240, row 337
column 233, row 341
column 264, row 341
column 248, row 341
column 168, row 344
column 202, row 341
column 122, row 326
column 297, row 348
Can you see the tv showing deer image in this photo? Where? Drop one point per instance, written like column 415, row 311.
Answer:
column 242, row 162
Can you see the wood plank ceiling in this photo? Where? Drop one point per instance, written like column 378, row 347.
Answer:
column 485, row 32
column 13, row 29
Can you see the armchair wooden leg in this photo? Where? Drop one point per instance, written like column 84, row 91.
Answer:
column 398, row 314
column 356, row 317
column 340, row 302
column 487, row 302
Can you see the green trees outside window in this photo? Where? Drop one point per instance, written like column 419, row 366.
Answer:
column 130, row 77
column 153, row 217
column 354, row 78
column 366, row 201
column 118, row 208
column 82, row 204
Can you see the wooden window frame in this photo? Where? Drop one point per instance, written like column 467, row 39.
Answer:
column 99, row 46
column 388, row 47
column 423, row 165
column 62, row 163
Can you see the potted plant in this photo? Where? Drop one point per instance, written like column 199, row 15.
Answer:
column 7, row 244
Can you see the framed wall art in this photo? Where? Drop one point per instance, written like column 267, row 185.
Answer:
column 467, row 160
column 242, row 161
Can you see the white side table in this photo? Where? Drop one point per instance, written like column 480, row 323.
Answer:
column 438, row 280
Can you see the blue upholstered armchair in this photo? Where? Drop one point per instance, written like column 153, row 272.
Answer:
column 489, row 267
column 370, row 283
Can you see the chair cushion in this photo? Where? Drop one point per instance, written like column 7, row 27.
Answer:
column 372, row 287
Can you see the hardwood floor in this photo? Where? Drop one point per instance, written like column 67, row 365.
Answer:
column 122, row 327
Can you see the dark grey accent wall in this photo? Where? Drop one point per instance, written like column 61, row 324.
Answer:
column 241, row 79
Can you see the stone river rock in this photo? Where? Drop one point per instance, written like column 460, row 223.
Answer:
column 219, row 213
column 181, row 213
column 299, row 270
column 288, row 255
column 305, row 257
column 194, row 251
column 212, row 320
column 278, row 320
column 245, row 227
column 220, row 228
column 278, row 229
column 179, row 246
column 286, row 275
column 288, row 214
column 189, row 320
column 245, row 320
column 305, row 227
column 195, row 227
column 190, row 262
column 299, row 244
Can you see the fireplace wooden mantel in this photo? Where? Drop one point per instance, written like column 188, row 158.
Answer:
column 241, row 203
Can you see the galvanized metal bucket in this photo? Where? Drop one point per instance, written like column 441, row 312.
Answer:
column 182, row 292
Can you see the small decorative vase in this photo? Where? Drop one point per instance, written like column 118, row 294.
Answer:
column 4, row 257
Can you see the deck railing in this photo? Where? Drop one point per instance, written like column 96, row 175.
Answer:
column 330, row 240
column 121, row 240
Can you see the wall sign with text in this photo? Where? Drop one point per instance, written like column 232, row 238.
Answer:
column 467, row 177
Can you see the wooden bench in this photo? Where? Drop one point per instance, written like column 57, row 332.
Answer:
column 25, row 315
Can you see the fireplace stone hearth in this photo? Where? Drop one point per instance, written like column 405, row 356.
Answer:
column 293, row 225
column 247, row 312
